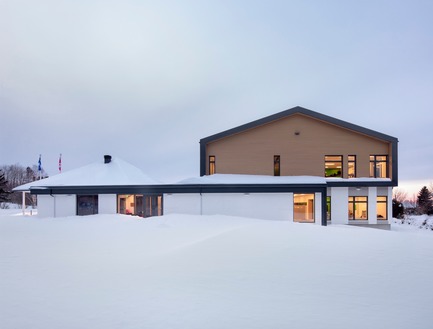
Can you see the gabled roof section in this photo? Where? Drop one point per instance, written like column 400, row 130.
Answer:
column 303, row 111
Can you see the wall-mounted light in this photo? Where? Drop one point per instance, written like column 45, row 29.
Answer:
column 358, row 189
column 297, row 133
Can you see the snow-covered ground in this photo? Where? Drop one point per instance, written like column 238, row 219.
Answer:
column 179, row 271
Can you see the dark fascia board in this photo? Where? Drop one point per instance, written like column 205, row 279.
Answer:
column 336, row 183
column 174, row 189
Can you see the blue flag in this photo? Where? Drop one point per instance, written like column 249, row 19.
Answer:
column 39, row 163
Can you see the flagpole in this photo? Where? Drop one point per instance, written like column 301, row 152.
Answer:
column 40, row 167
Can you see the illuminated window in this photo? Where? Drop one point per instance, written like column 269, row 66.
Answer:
column 212, row 168
column 351, row 166
column 379, row 166
column 382, row 208
column 276, row 165
column 303, row 208
column 358, row 207
column 140, row 205
column 333, row 165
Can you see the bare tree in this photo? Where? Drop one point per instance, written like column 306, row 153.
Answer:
column 399, row 195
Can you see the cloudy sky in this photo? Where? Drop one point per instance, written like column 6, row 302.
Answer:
column 145, row 80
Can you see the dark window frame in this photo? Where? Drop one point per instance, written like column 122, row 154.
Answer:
column 386, row 206
column 354, row 165
column 340, row 161
column 277, row 165
column 212, row 164
column 375, row 162
column 353, row 202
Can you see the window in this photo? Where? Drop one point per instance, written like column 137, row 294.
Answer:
column 379, row 166
column 358, row 208
column 87, row 205
column 333, row 165
column 303, row 208
column 276, row 165
column 382, row 207
column 351, row 166
column 212, row 169
column 139, row 205
column 328, row 208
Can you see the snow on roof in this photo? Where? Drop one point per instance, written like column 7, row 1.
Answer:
column 358, row 179
column 117, row 172
column 252, row 179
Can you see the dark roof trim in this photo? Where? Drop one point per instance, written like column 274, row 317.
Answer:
column 201, row 188
column 298, row 110
column 193, row 188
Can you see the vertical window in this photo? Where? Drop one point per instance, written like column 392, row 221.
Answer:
column 351, row 166
column 379, row 166
column 382, row 207
column 87, row 205
column 333, row 165
column 303, row 208
column 328, row 208
column 212, row 168
column 358, row 207
column 276, row 165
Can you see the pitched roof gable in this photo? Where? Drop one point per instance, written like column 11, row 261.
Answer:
column 303, row 111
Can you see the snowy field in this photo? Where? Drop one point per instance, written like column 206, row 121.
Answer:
column 114, row 271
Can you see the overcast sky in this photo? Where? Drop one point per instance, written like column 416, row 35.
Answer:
column 145, row 80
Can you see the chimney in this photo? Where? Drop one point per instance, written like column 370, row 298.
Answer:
column 107, row 158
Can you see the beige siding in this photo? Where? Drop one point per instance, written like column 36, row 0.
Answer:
column 252, row 151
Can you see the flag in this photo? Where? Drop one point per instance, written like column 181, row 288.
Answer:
column 60, row 163
column 39, row 164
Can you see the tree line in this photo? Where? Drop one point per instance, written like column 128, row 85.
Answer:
column 15, row 175
column 422, row 204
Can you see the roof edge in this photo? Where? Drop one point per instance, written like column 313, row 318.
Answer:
column 298, row 110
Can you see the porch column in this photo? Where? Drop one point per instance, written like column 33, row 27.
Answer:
column 372, row 205
column 318, row 209
column 290, row 207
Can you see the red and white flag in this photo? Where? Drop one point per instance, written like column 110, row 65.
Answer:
column 60, row 163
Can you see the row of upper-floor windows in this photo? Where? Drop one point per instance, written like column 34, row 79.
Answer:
column 333, row 166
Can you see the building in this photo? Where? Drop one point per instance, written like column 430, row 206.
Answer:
column 296, row 165
column 324, row 170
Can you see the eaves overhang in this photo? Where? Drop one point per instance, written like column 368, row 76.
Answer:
column 179, row 188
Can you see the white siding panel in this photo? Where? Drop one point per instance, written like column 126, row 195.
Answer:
column 187, row 203
column 339, row 205
column 107, row 203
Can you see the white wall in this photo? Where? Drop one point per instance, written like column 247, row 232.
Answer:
column 339, row 204
column 45, row 206
column 56, row 205
column 276, row 206
column 185, row 203
column 65, row 205
column 255, row 205
column 107, row 203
